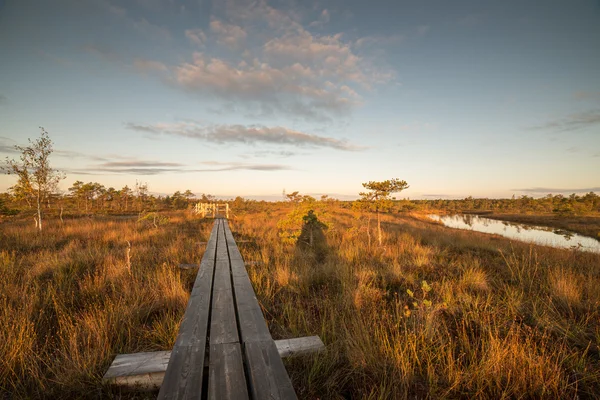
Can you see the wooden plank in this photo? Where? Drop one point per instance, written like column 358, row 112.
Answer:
column 183, row 378
column 267, row 376
column 251, row 320
column 223, row 325
column 222, row 254
column 298, row 346
column 147, row 370
column 184, row 374
column 226, row 372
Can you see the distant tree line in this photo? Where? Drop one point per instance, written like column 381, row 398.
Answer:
column 558, row 204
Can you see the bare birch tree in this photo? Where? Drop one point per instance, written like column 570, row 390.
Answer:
column 36, row 179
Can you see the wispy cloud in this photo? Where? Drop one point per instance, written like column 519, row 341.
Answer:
column 196, row 36
column 3, row 100
column 270, row 153
column 546, row 190
column 229, row 35
column 235, row 166
column 323, row 19
column 148, row 167
column 284, row 69
column 7, row 146
column 255, row 134
column 572, row 122
column 291, row 89
column 138, row 163
column 379, row 40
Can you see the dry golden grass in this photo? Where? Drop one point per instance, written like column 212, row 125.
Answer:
column 69, row 303
column 433, row 313
column 484, row 318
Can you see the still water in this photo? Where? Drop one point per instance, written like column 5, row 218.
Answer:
column 535, row 234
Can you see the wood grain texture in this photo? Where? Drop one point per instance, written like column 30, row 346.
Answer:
column 226, row 373
column 266, row 373
column 184, row 374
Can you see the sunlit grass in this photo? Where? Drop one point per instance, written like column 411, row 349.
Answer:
column 434, row 312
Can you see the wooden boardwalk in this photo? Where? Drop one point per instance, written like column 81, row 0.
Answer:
column 223, row 328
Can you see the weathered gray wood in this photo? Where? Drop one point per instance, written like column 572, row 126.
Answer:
column 226, row 372
column 223, row 326
column 184, row 374
column 266, row 373
column 143, row 370
column 298, row 346
column 222, row 250
column 222, row 305
column 183, row 377
column 147, row 370
column 251, row 320
column 267, row 376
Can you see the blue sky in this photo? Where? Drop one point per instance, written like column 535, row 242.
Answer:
column 458, row 98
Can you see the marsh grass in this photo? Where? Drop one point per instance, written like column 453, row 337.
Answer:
column 433, row 313
column 69, row 304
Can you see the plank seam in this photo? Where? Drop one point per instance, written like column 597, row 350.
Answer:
column 205, row 376
column 237, row 315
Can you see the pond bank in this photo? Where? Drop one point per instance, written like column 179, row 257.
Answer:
column 584, row 225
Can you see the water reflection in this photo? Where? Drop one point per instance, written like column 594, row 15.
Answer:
column 526, row 233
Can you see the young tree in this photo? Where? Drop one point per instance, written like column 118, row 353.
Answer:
column 379, row 197
column 36, row 178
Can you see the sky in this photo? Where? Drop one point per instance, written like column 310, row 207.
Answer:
column 251, row 98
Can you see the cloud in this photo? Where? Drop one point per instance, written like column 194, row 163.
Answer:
column 229, row 35
column 235, row 166
column 7, row 146
column 544, row 190
column 327, row 56
column 3, row 100
column 293, row 89
column 145, row 167
column 572, row 122
column 270, row 153
column 196, row 36
column 283, row 70
column 137, row 163
column 324, row 18
column 256, row 134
